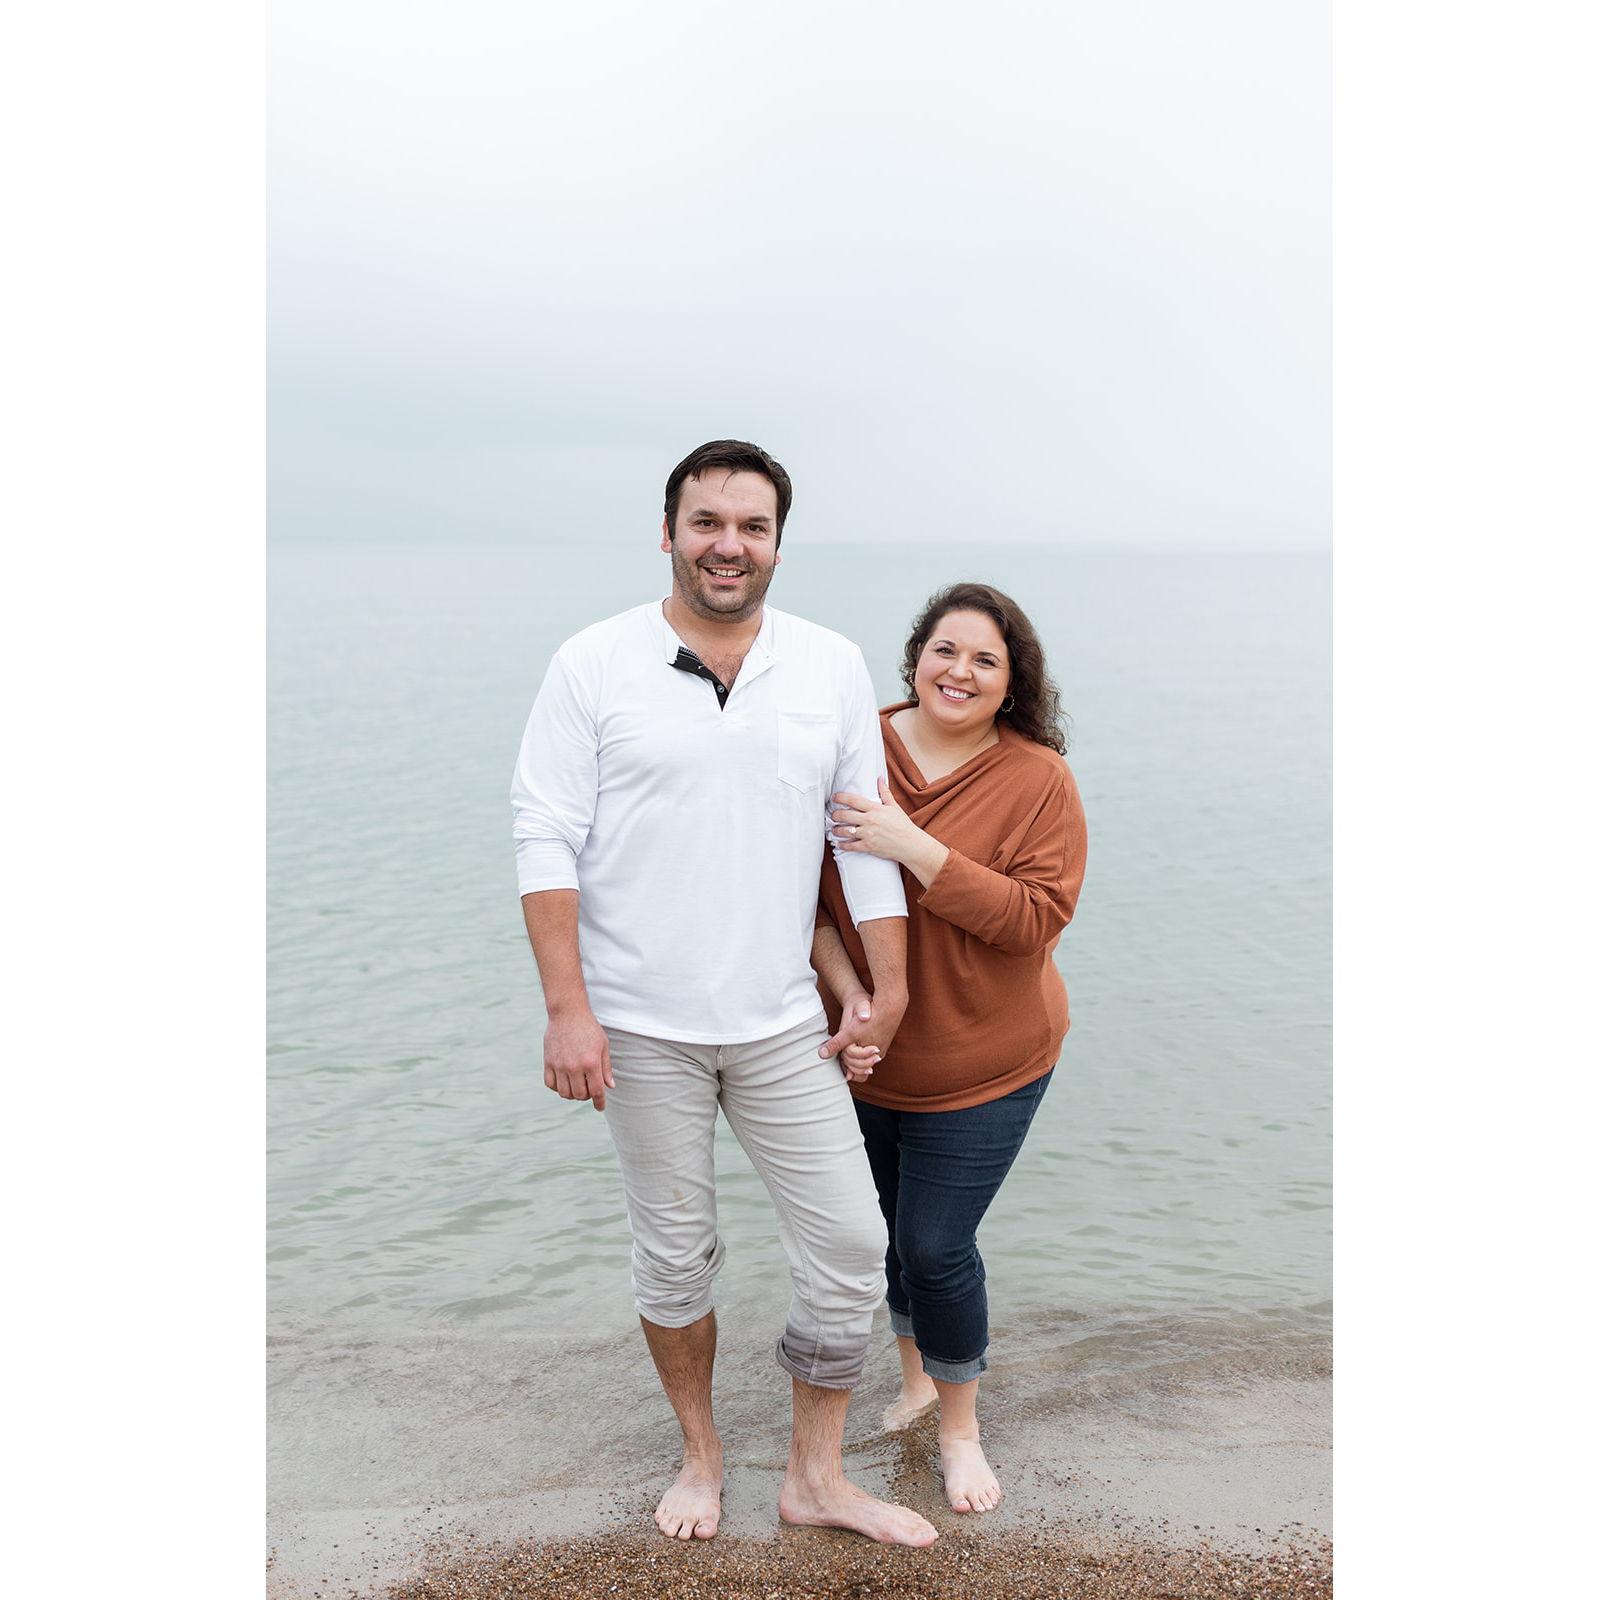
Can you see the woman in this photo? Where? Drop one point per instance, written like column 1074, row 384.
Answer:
column 984, row 818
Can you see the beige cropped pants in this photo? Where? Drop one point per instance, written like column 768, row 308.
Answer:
column 792, row 1113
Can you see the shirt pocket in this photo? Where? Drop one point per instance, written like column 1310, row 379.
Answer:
column 808, row 748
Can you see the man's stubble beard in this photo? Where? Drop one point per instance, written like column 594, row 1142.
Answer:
column 686, row 577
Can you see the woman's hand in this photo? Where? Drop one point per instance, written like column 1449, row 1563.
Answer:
column 885, row 830
column 867, row 1024
column 854, row 1042
column 881, row 830
column 858, row 1060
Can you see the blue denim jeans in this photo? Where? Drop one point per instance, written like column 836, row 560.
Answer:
column 936, row 1173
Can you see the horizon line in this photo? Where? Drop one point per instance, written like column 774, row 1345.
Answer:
column 1240, row 546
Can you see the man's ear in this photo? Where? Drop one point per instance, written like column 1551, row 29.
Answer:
column 666, row 535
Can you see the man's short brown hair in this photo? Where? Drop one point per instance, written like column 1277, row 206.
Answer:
column 731, row 455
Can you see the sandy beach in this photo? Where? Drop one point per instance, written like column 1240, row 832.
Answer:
column 801, row 1565
column 1195, row 1478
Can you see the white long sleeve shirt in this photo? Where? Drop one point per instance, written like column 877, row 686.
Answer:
column 694, row 832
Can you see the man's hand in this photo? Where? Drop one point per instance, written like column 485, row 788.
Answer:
column 877, row 1033
column 577, row 1057
column 857, row 1016
column 865, row 1030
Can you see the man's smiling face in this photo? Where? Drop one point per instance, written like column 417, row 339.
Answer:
column 726, row 543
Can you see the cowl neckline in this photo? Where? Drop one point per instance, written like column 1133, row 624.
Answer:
column 908, row 775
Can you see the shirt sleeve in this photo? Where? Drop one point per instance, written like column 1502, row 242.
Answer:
column 872, row 887
column 1023, row 908
column 554, row 785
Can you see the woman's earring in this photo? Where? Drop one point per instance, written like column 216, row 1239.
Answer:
column 1009, row 701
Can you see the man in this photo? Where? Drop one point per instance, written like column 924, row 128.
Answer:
column 671, row 812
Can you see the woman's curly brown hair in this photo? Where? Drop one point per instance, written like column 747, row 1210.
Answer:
column 1036, row 702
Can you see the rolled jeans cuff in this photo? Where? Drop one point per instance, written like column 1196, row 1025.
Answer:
column 955, row 1371
column 944, row 1371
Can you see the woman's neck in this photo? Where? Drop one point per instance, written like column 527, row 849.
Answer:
column 937, row 749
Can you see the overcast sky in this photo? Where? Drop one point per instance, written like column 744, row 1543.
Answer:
column 1001, row 270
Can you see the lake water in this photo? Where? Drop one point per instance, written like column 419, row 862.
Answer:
column 447, row 1246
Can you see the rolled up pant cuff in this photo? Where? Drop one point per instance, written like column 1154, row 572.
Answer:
column 826, row 1358
column 944, row 1371
column 954, row 1371
column 674, row 1316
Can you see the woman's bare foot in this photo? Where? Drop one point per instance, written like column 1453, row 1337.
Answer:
column 969, row 1484
column 692, row 1507
column 839, row 1504
column 916, row 1399
column 918, row 1396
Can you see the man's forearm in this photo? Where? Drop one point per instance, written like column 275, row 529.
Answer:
column 551, row 917
column 885, row 941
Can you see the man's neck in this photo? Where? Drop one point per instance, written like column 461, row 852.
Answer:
column 725, row 636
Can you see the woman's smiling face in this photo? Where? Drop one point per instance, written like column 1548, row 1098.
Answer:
column 963, row 673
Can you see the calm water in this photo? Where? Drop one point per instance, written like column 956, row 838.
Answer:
column 432, row 1207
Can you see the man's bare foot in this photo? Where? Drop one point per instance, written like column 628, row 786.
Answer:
column 914, row 1400
column 839, row 1504
column 692, row 1507
column 969, row 1484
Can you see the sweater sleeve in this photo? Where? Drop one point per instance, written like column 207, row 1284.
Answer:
column 1022, row 909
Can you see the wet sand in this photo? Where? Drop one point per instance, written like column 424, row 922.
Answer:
column 806, row 1564
column 1192, row 1480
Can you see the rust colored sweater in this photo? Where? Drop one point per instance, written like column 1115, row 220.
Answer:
column 988, row 1009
